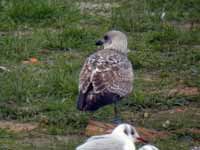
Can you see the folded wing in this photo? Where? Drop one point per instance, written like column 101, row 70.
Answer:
column 107, row 73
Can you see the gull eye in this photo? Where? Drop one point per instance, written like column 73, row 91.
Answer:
column 126, row 131
column 106, row 37
column 132, row 132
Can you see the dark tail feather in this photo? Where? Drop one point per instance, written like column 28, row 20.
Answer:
column 91, row 101
column 81, row 101
column 96, row 101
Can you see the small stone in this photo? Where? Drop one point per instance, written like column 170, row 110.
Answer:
column 166, row 124
column 146, row 115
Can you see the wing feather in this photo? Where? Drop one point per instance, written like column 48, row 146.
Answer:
column 86, row 73
column 84, row 78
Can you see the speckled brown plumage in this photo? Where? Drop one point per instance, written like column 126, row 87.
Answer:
column 107, row 70
column 106, row 74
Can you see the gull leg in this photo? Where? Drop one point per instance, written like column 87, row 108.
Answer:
column 116, row 119
column 91, row 116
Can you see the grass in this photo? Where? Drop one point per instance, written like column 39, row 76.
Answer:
column 165, row 55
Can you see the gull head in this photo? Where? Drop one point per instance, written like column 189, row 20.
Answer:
column 115, row 40
column 128, row 132
column 148, row 147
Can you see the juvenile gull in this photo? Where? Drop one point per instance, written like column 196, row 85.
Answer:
column 107, row 75
column 123, row 137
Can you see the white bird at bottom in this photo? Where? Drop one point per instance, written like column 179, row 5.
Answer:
column 123, row 137
column 148, row 147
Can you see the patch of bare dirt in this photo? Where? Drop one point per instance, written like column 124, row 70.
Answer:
column 186, row 91
column 26, row 33
column 16, row 33
column 97, row 128
column 180, row 109
column 13, row 126
column 148, row 78
column 174, row 110
column 46, row 141
column 103, row 9
column 192, row 130
column 187, row 25
column 43, row 139
column 196, row 46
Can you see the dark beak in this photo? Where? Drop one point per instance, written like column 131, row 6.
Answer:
column 139, row 139
column 99, row 42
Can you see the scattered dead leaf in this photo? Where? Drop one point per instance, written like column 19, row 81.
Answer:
column 179, row 110
column 30, row 61
column 33, row 60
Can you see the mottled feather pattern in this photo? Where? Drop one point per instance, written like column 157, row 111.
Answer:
column 107, row 70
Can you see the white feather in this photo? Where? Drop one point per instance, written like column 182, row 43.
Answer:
column 117, row 140
column 148, row 147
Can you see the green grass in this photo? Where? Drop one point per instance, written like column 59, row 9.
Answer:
column 26, row 14
column 164, row 56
